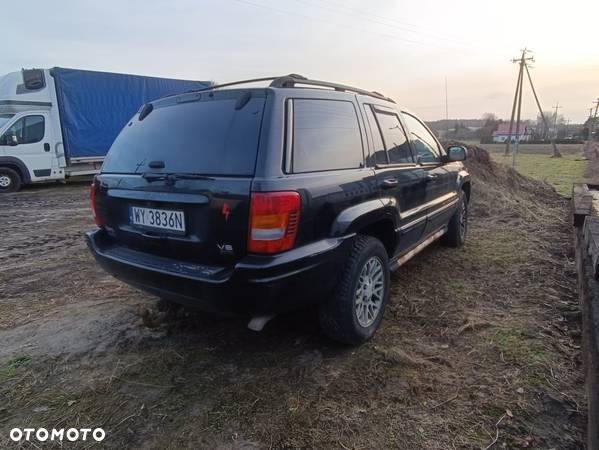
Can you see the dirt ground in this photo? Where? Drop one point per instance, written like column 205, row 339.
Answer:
column 479, row 345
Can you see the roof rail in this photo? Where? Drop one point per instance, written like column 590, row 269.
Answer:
column 291, row 80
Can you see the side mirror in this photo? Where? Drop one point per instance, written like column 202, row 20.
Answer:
column 457, row 153
column 11, row 140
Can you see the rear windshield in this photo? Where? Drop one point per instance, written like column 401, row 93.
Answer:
column 208, row 137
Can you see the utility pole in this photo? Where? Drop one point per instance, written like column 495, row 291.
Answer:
column 516, row 101
column 590, row 129
column 593, row 120
column 523, row 61
column 556, row 152
column 557, row 106
column 446, row 104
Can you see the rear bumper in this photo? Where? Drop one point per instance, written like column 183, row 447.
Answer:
column 255, row 285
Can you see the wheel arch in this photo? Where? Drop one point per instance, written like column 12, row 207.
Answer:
column 384, row 231
column 467, row 188
column 18, row 166
column 377, row 218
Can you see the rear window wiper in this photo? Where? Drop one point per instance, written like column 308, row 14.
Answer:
column 157, row 176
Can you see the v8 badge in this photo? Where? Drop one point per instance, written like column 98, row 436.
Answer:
column 225, row 249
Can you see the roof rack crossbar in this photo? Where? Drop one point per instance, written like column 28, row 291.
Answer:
column 291, row 80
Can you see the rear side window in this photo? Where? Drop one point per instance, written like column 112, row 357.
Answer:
column 208, row 137
column 395, row 138
column 326, row 136
column 380, row 156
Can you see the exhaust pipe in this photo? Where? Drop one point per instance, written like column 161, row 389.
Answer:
column 257, row 323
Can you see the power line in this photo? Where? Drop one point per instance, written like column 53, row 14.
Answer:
column 328, row 22
column 369, row 18
column 368, row 13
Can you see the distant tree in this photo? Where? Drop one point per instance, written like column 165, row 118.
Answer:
column 489, row 118
column 490, row 122
column 585, row 132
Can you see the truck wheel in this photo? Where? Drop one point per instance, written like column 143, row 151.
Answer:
column 458, row 224
column 10, row 181
column 354, row 312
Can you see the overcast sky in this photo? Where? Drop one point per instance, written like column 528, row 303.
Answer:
column 404, row 49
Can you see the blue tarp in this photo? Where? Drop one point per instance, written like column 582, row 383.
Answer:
column 95, row 106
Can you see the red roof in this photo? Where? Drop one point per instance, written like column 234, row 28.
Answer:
column 503, row 129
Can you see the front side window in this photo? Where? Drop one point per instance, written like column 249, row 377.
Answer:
column 395, row 138
column 326, row 136
column 27, row 130
column 424, row 142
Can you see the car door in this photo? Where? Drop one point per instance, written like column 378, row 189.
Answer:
column 441, row 197
column 440, row 191
column 28, row 139
column 396, row 171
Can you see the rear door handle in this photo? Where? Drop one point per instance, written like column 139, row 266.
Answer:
column 432, row 176
column 389, row 183
column 46, row 147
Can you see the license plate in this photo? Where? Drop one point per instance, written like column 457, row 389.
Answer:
column 163, row 219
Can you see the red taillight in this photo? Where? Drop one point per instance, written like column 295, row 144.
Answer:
column 92, row 203
column 274, row 218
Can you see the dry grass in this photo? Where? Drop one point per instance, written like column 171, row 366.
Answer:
column 535, row 161
column 469, row 334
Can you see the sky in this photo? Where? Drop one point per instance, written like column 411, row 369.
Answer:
column 404, row 49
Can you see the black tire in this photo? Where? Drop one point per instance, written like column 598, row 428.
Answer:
column 457, row 228
column 10, row 181
column 339, row 314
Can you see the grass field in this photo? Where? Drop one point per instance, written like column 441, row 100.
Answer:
column 534, row 161
column 536, row 149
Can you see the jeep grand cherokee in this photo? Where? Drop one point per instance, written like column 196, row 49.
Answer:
column 260, row 200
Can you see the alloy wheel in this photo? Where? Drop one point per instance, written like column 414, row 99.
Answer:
column 370, row 291
column 5, row 181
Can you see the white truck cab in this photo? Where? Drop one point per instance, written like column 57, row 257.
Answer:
column 30, row 133
column 59, row 123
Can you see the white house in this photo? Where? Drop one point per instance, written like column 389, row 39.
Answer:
column 503, row 131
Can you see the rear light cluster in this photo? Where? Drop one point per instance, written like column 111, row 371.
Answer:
column 274, row 220
column 92, row 203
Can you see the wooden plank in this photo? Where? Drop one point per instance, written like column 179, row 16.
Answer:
column 591, row 241
column 582, row 203
column 589, row 299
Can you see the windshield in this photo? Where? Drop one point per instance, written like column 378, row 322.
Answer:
column 209, row 137
column 5, row 118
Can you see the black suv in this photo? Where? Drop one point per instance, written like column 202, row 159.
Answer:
column 263, row 200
